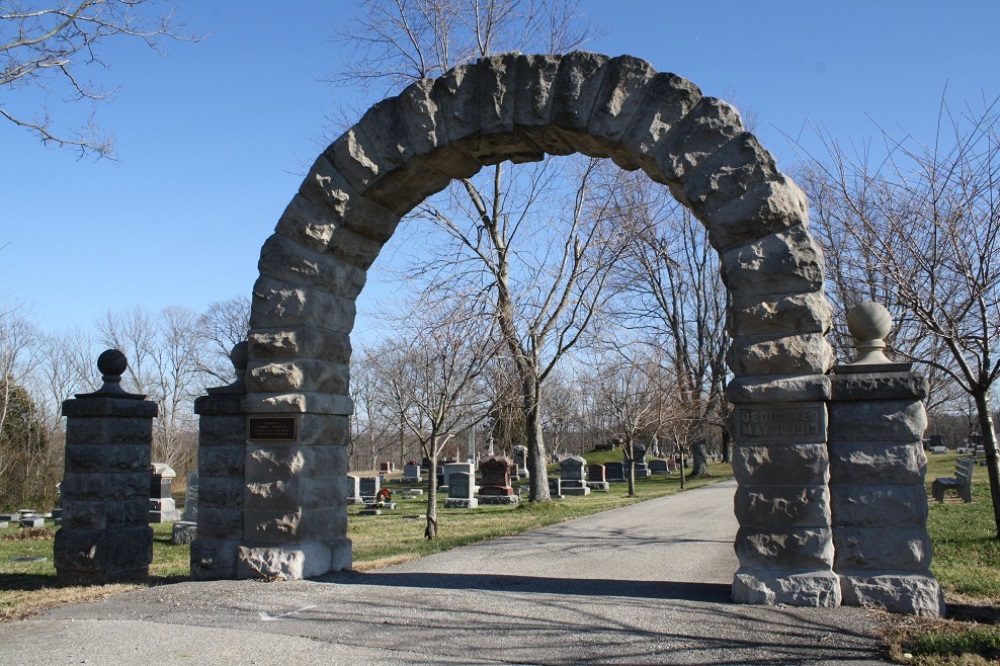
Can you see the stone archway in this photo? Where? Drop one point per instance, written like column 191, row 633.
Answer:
column 285, row 515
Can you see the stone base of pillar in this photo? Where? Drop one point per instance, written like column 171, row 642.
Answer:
column 913, row 594
column 793, row 588
column 213, row 559
column 283, row 562
column 96, row 557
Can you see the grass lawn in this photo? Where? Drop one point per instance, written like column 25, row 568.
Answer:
column 395, row 536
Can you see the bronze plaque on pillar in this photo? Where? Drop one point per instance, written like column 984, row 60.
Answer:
column 272, row 428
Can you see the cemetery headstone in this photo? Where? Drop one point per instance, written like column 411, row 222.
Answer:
column 452, row 468
column 555, row 488
column 572, row 476
column 615, row 472
column 368, row 487
column 186, row 529
column 411, row 473
column 637, row 459
column 354, row 490
column 657, row 466
column 596, row 478
column 496, row 487
column 461, row 488
column 521, row 460
column 162, row 508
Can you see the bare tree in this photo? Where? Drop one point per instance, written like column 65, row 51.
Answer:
column 926, row 218
column 47, row 47
column 435, row 372
column 376, row 415
column 224, row 325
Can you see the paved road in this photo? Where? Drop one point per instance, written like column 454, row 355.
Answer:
column 647, row 584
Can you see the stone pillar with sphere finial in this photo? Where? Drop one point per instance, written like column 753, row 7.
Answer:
column 222, row 447
column 105, row 535
column 878, row 502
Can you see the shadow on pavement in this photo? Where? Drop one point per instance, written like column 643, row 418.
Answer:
column 709, row 592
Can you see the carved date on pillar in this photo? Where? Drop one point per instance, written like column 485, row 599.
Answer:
column 796, row 423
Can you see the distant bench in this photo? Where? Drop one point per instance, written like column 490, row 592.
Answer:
column 961, row 482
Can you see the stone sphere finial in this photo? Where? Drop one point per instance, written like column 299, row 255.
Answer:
column 239, row 357
column 112, row 364
column 869, row 324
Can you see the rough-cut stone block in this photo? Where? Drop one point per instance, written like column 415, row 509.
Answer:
column 497, row 78
column 284, row 462
column 107, row 458
column 222, row 430
column 577, row 85
column 289, row 261
column 98, row 486
column 780, row 314
column 456, row 95
column 123, row 409
column 421, row 117
column 783, row 506
column 340, row 554
column 300, row 342
column 99, row 556
column 620, row 97
column 219, row 405
column 910, row 594
column 778, row 423
column 806, row 354
column 882, row 549
column 802, row 548
column 325, row 185
column 785, row 262
column 301, row 374
column 536, row 75
column 101, row 515
column 298, row 403
column 740, row 165
column 375, row 147
column 767, row 208
column 710, row 125
column 326, row 430
column 220, row 522
column 877, row 420
column 319, row 228
column 293, row 526
column 283, row 562
column 768, row 388
column 220, row 492
column 794, row 588
column 877, row 462
column 879, row 505
column 303, row 492
column 879, row 385
column 213, row 559
column 666, row 99
column 802, row 464
column 282, row 304
column 222, row 461
column 126, row 431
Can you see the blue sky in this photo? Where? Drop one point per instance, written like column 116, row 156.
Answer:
column 214, row 139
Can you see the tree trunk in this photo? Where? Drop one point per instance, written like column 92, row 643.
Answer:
column 700, row 458
column 537, row 456
column 431, row 531
column 982, row 398
column 682, row 465
column 630, row 458
column 727, row 445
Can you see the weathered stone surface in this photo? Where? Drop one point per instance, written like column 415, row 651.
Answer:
column 283, row 562
column 772, row 206
column 292, row 526
column 121, row 408
column 456, row 95
column 220, row 522
column 576, row 88
column 405, row 187
column 284, row 259
column 321, row 229
column 879, row 505
column 784, row 262
column 280, row 304
column 107, row 457
column 214, row 491
column 802, row 548
column 781, row 314
column 710, row 125
column 536, row 75
column 219, row 405
column 769, row 465
column 878, row 385
column 619, row 98
column 664, row 102
column 222, row 430
column 95, row 430
column 804, row 354
column 299, row 492
column 779, row 423
column 375, row 147
column 783, row 506
column 284, row 462
column 739, row 166
column 877, row 462
column 914, row 594
column 213, row 559
column 99, row 556
column 794, row 588
column 299, row 402
column 421, row 117
column 769, row 388
column 497, row 93
column 224, row 461
column 105, row 486
column 301, row 374
column 102, row 515
column 327, row 186
column 881, row 420
column 301, row 341
column 882, row 549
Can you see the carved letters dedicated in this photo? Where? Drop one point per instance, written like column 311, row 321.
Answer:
column 797, row 423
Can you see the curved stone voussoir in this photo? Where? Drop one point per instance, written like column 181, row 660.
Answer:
column 285, row 259
column 581, row 75
column 801, row 548
column 421, row 117
column 664, row 102
column 301, row 374
column 785, row 262
column 498, row 92
column 805, row 354
column 456, row 94
column 314, row 226
column 780, row 314
column 741, row 165
column 401, row 190
column 783, row 506
column 375, row 147
column 325, row 185
column 299, row 341
column 703, row 132
column 278, row 304
column 771, row 206
column 619, row 98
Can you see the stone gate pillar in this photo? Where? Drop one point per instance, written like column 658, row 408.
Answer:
column 877, row 466
column 105, row 535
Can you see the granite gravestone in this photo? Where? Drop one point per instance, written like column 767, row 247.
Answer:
column 461, row 488
column 572, row 476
